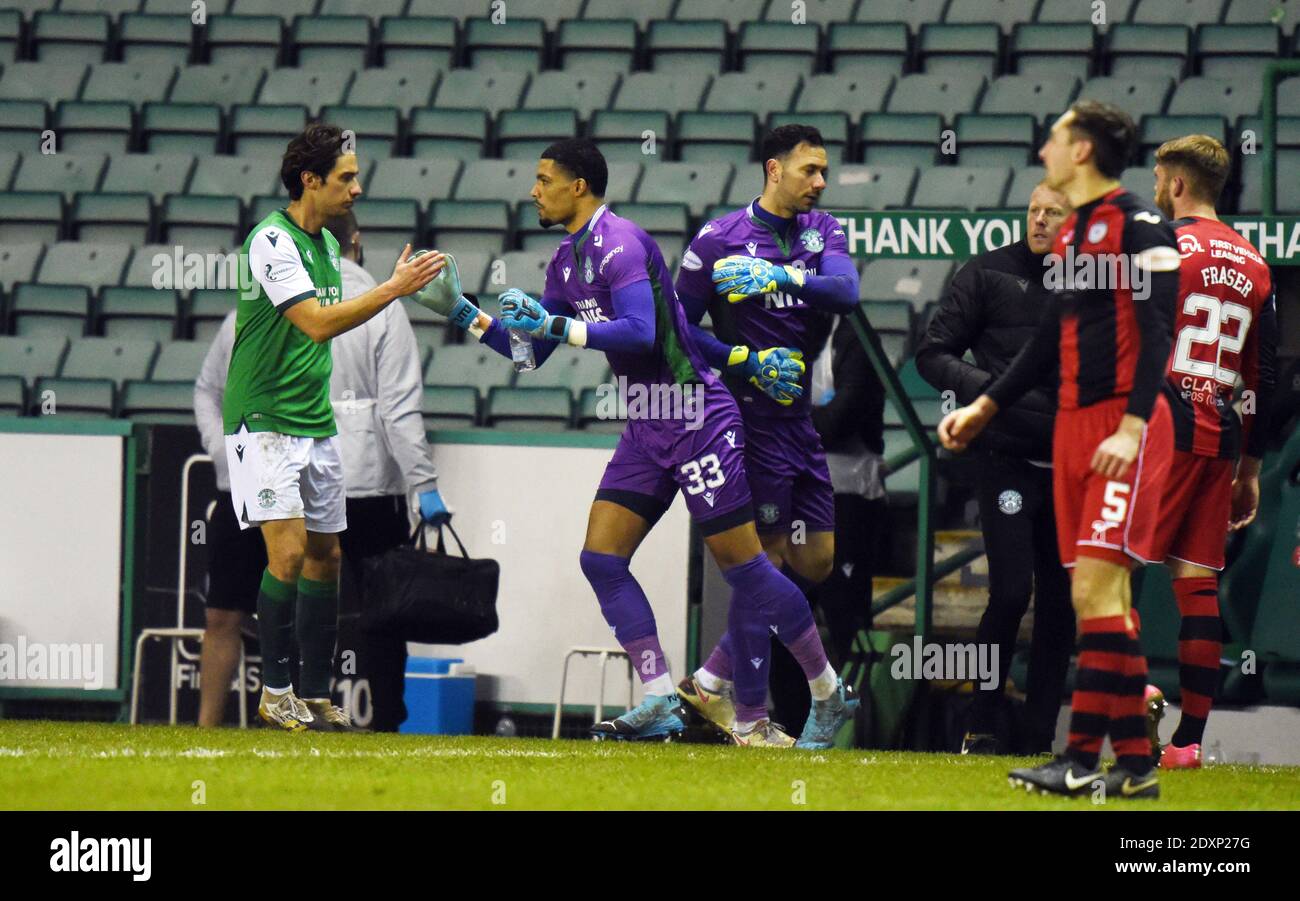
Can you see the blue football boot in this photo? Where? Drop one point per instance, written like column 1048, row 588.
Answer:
column 657, row 717
column 826, row 717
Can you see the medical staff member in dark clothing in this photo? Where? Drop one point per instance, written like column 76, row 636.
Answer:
column 991, row 309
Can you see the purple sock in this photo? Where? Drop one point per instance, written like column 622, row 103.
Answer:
column 721, row 661
column 808, row 650
column 624, row 605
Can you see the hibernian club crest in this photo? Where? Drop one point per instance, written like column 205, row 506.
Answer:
column 812, row 239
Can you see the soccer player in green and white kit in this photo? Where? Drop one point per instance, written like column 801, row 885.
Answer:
column 285, row 472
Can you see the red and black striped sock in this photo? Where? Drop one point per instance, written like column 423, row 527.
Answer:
column 1200, row 643
column 1103, row 659
column 1128, row 716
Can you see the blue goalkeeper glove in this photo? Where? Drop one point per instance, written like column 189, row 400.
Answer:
column 737, row 277
column 775, row 371
column 522, row 312
column 432, row 510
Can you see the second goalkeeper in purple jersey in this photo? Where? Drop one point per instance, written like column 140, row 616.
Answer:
column 774, row 273
column 608, row 289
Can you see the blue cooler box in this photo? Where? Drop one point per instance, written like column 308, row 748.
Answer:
column 439, row 697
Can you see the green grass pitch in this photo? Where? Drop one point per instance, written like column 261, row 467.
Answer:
column 72, row 766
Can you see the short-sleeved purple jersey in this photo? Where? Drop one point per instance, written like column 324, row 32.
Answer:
column 612, row 253
column 773, row 320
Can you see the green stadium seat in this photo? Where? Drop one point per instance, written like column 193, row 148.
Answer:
column 264, row 130
column 262, row 206
column 83, row 263
column 181, row 128
column 1252, row 182
column 285, row 9
column 716, row 137
column 11, row 30
column 392, row 88
column 901, row 139
column 582, row 92
column 744, row 92
column 687, row 46
column 935, row 94
column 824, row 93
column 624, row 179
column 89, row 398
column 917, row 281
column 159, row 403
column 244, row 41
column 571, row 368
column 1005, row 13
column 597, row 46
column 1237, row 51
column 1288, row 96
column 139, row 314
column 529, row 409
column 422, row 179
column 208, row 309
column 430, row 329
column 331, row 42
column 69, row 38
column 1023, row 182
column 179, row 361
column 589, row 413
column 201, row 220
column 290, row 87
column 1155, row 130
column 457, row 133
column 1136, row 96
column 50, row 311
column 234, row 177
column 475, row 225
column 524, row 134
column 1053, row 51
column 111, row 218
column 834, row 127
column 93, row 127
column 475, row 90
column 507, row 180
column 622, row 134
column 513, row 45
column 140, row 269
column 417, row 44
column 890, row 316
column 450, row 406
column 157, row 40
column 31, row 358
column 1148, row 51
column 225, row 85
column 817, row 12
column 874, row 50
column 377, row 129
column 665, row 222
column 49, row 82
column 1061, row 11
column 959, row 51
column 469, row 364
column 1045, row 97
column 522, row 269
column 1178, row 12
column 914, row 12
column 962, row 187
column 869, row 187
column 735, row 13
column 529, row 234
column 18, row 263
column 551, row 12
column 778, row 48
column 9, row 160
column 1254, row 12
column 21, row 125
column 31, row 216
column 1139, row 180
column 642, row 11
column 995, row 140
column 387, row 225
column 13, row 396
column 672, row 92
column 473, row 267
column 135, row 83
column 698, row 185
column 1288, row 130
column 1233, row 98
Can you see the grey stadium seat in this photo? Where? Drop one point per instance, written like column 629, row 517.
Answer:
column 417, row 43
column 109, row 358
column 169, row 403
column 869, row 187
column 995, row 139
column 74, row 398
column 469, row 225
column 1136, row 96
column 642, row 11
column 322, row 87
column 135, row 82
column 468, row 364
column 234, row 177
column 752, row 93
column 839, row 93
column 674, row 91
column 687, row 46
column 524, row 134
column 31, row 358
column 872, row 50
column 914, row 12
column 901, row 139
column 402, row 88
column 156, row 173
column 818, row 12
column 530, row 409
column 18, row 263
column 96, row 127
column 1177, row 12
column 935, row 94
column 523, row 269
column 1233, row 98
column 222, row 84
column 916, row 281
column 179, row 361
column 1251, row 12
column 31, row 216
column 1148, row 51
column 512, row 45
column 571, row 368
column 597, row 45
column 771, row 47
column 1074, row 11
column 579, row 91
column 421, row 180
column 449, row 406
column 64, row 172
column 139, row 313
column 505, row 180
column 1058, row 50
column 190, row 128
column 1005, row 13
column 50, row 82
column 624, row 181
column 697, row 185
column 110, row 218
column 150, row 39
column 621, row 134
column 83, row 263
column 1023, row 182
column 50, row 310
column 486, row 90
column 962, row 187
column 459, row 133
column 1045, row 98
column 959, row 51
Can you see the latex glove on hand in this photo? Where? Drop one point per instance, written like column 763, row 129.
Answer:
column 738, row 277
column 775, row 371
column 432, row 510
column 519, row 311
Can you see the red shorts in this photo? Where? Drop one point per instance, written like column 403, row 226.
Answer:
column 1109, row 519
column 1196, row 509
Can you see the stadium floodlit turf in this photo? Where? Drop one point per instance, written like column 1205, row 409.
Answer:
column 70, row 766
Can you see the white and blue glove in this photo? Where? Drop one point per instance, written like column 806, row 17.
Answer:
column 432, row 510
column 738, row 277
column 519, row 311
column 443, row 295
column 775, row 371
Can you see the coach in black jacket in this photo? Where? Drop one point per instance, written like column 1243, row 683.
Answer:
column 991, row 308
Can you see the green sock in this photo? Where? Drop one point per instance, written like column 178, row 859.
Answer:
column 318, row 627
column 275, row 603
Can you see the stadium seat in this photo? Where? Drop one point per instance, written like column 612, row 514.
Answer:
column 1233, row 98
column 1254, row 12
column 890, row 316
column 8, row 166
column 1005, row 13
column 591, row 405
column 11, row 30
column 1288, row 96
column 581, row 92
column 450, row 406
column 1136, row 96
column 901, row 139
column 1055, row 11
column 111, row 218
column 89, row 398
column 135, row 83
column 264, row 130
column 869, row 187
column 234, row 177
column 914, row 12
column 331, row 42
column 290, row 87
column 1053, row 51
column 1177, row 12
column 624, row 181
column 244, row 41
column 570, row 368
column 1139, row 180
column 225, row 85
column 158, row 403
column 995, row 140
column 698, row 185
column 461, row 134
column 513, row 45
column 524, row 134
column 181, row 128
column 31, row 216
column 959, row 51
column 528, row 231
column 667, row 223
column 673, row 92
column 935, row 94
column 49, row 82
column 834, row 128
column 551, row 12
column 962, row 187
column 179, row 361
column 1155, row 130
column 69, row 38
column 507, row 180
column 399, row 88
column 716, row 137
column 597, row 46
column 208, row 308
column 430, row 328
column 285, row 9
column 422, row 180
column 468, row 364
column 201, row 220
column 474, row 266
column 93, row 127
column 13, row 396
column 1148, row 51
column 1045, row 97
column 642, row 11
column 387, row 226
column 156, row 40
column 687, row 46
column 772, row 48
column 109, row 358
column 416, row 45
column 473, row 225
column 375, row 9
column 876, row 51
column 31, row 358
column 529, row 409
column 622, row 134
column 1252, row 181
column 1237, row 51
column 743, row 92
column 139, row 314
column 487, row 90
column 1023, row 182
column 18, row 263
column 200, row 267
column 21, row 125
column 522, row 269
column 50, row 310
column 83, row 263
column 916, row 281
column 817, row 12
column 376, row 129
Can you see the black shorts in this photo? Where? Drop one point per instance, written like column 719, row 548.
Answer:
column 236, row 560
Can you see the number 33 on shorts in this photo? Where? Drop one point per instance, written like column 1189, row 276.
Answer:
column 703, row 473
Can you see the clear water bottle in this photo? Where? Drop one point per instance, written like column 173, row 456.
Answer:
column 521, row 350
column 506, row 727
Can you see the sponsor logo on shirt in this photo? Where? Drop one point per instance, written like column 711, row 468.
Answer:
column 609, row 256
column 752, row 247
column 812, row 239
column 1188, row 245
column 274, row 273
column 588, row 309
column 567, row 270
column 272, row 236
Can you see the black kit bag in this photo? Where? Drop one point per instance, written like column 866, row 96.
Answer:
column 434, row 598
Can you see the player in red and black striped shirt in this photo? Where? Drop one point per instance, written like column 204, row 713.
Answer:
column 1226, row 328
column 1113, row 278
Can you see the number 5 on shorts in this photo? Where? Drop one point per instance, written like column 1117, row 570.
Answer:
column 1116, row 504
column 703, row 473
